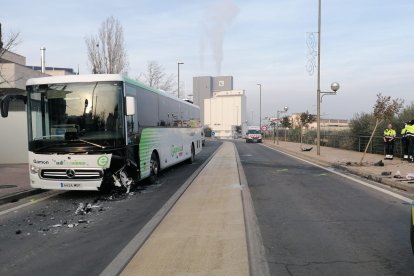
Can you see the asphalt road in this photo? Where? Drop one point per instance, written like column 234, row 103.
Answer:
column 48, row 238
column 314, row 222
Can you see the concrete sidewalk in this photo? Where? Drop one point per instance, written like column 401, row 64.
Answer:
column 204, row 233
column 14, row 182
column 348, row 160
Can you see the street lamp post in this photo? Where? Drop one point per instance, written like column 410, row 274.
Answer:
column 260, row 106
column 178, row 88
column 335, row 87
column 285, row 109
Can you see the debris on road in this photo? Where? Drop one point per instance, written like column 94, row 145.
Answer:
column 83, row 209
column 410, row 176
column 307, row 149
column 398, row 175
column 379, row 163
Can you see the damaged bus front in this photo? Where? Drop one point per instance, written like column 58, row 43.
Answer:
column 76, row 134
column 90, row 132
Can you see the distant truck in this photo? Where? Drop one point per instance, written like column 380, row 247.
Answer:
column 253, row 135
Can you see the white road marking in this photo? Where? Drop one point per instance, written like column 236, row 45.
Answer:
column 33, row 201
column 385, row 191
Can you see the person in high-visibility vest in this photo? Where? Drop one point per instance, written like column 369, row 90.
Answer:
column 410, row 136
column 404, row 141
column 389, row 140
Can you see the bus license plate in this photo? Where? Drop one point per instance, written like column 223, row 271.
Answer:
column 70, row 185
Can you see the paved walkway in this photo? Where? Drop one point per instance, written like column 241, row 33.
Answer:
column 204, row 233
column 14, row 178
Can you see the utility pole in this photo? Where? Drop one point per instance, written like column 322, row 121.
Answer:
column 318, row 88
column 260, row 105
column 178, row 88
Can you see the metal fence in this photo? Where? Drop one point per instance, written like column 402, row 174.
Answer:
column 340, row 140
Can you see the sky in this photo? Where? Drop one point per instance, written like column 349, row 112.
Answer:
column 366, row 46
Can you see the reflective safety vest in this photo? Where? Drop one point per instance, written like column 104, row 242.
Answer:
column 410, row 130
column 404, row 131
column 389, row 133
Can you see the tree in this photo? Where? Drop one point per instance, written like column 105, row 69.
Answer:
column 407, row 114
column 106, row 50
column 361, row 124
column 156, row 77
column 385, row 108
column 11, row 41
column 286, row 122
column 305, row 120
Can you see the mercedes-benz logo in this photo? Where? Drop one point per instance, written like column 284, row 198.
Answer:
column 70, row 173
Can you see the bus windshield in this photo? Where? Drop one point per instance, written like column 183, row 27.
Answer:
column 71, row 117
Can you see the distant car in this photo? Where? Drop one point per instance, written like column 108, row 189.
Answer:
column 412, row 226
column 203, row 138
column 253, row 135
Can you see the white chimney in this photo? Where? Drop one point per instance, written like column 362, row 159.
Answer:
column 42, row 59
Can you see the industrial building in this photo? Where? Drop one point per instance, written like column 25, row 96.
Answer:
column 225, row 113
column 204, row 87
column 222, row 108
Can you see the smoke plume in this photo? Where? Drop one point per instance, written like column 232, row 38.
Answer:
column 215, row 24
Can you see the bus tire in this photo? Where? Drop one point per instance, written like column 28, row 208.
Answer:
column 154, row 168
column 192, row 157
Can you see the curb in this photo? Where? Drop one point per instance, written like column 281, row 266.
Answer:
column 373, row 177
column 256, row 251
column 376, row 178
column 118, row 264
column 20, row 195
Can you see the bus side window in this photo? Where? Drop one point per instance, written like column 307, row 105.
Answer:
column 131, row 130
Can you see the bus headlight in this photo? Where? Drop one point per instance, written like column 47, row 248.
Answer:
column 34, row 169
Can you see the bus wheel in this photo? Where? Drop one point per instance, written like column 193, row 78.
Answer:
column 155, row 168
column 192, row 157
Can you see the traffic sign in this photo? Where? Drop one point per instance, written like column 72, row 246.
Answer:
column 264, row 128
column 213, row 133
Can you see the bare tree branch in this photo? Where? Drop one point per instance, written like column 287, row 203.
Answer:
column 385, row 108
column 106, row 50
column 12, row 40
column 156, row 77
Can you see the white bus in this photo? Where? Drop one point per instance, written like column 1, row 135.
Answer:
column 90, row 132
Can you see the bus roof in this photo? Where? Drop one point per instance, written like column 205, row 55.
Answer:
column 98, row 77
column 75, row 78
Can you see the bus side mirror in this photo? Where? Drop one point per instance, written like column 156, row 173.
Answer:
column 129, row 106
column 5, row 103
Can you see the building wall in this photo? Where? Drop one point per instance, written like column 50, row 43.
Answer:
column 12, row 58
column 13, row 129
column 203, row 88
column 222, row 83
column 326, row 124
column 224, row 111
column 17, row 76
column 13, row 146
